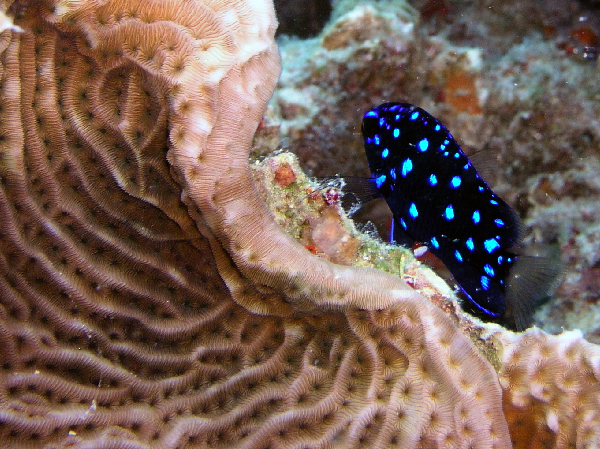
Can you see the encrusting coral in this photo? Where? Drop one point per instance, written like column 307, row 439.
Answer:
column 552, row 393
column 148, row 299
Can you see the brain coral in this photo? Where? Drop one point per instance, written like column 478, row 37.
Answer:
column 147, row 297
column 552, row 389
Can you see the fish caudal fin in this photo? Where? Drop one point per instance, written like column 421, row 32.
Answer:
column 530, row 281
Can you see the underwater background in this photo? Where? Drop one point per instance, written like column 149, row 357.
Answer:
column 515, row 82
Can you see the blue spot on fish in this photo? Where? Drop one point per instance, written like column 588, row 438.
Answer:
column 470, row 244
column 455, row 183
column 491, row 245
column 456, row 209
column 485, row 282
column 412, row 210
column 406, row 167
column 458, row 255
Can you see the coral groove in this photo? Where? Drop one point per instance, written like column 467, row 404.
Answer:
column 117, row 328
column 148, row 298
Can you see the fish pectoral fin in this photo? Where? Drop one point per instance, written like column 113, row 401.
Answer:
column 356, row 190
column 362, row 189
column 531, row 280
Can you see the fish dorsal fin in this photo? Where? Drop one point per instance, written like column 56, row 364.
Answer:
column 484, row 162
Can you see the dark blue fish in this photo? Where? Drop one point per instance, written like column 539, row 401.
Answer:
column 439, row 200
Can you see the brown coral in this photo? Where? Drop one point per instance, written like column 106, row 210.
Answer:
column 147, row 304
column 117, row 330
column 552, row 389
column 551, row 384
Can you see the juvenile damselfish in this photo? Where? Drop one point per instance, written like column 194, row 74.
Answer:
column 439, row 200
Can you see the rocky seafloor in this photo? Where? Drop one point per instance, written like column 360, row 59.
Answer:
column 519, row 82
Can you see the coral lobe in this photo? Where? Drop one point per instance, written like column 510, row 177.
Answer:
column 148, row 297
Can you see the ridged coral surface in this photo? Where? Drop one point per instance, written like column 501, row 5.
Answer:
column 117, row 327
column 148, row 298
column 552, row 389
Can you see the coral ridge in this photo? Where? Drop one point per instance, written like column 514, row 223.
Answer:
column 150, row 299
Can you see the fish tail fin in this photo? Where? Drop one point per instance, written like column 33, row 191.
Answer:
column 531, row 280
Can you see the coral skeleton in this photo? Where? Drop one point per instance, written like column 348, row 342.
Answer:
column 150, row 299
